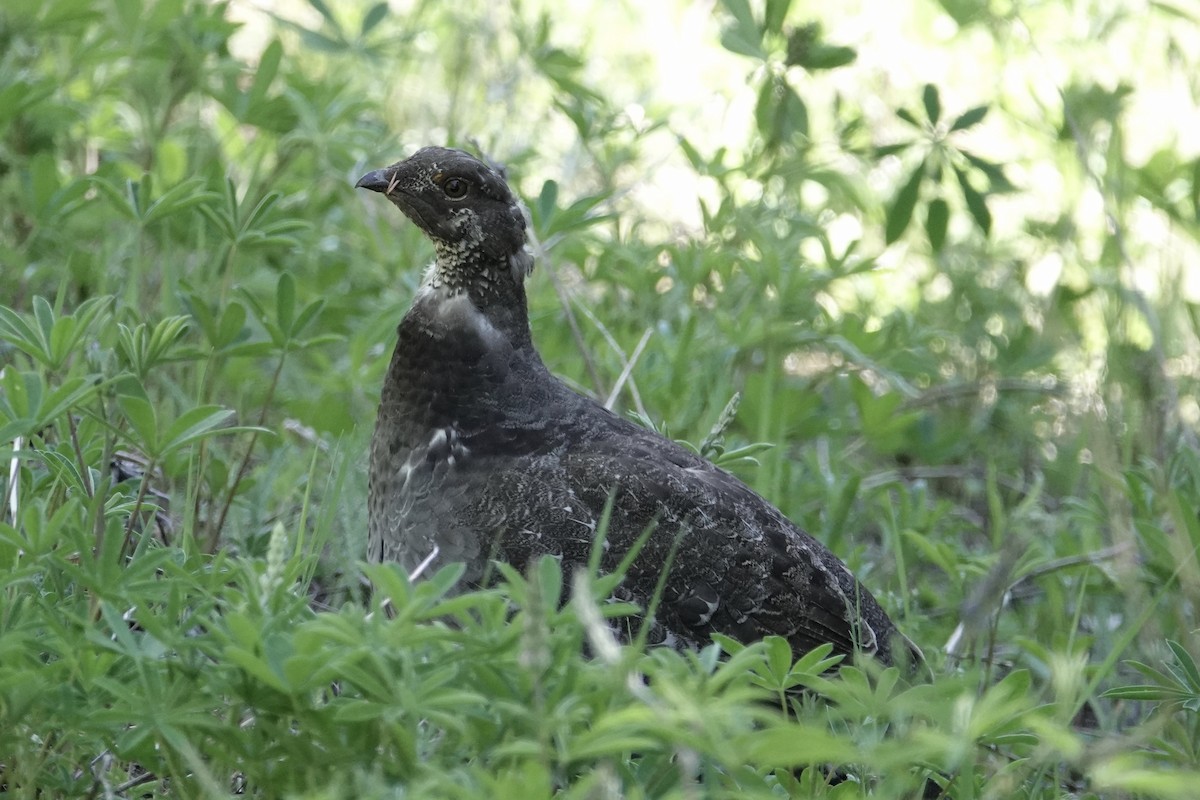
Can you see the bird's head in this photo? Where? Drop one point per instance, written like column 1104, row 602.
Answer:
column 466, row 209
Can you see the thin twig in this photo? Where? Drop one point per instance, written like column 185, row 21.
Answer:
column 954, row 391
column 627, row 371
column 143, row 487
column 565, row 301
column 145, row 777
column 14, row 481
column 214, row 533
column 1090, row 559
column 14, row 475
column 424, row 565
column 612, row 342
column 84, row 472
column 933, row 473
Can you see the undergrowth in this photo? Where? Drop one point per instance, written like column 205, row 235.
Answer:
column 195, row 318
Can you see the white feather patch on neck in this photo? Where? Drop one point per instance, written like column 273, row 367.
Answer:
column 449, row 310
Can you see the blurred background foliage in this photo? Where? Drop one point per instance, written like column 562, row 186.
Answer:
column 944, row 251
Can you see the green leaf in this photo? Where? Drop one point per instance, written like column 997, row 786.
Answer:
column 901, row 211
column 318, row 41
column 937, row 218
column 231, row 327
column 806, row 48
column 549, row 578
column 780, row 114
column 997, row 180
column 907, row 116
column 932, row 103
column 547, row 203
column 729, row 645
column 969, row 118
column 828, row 56
column 268, row 68
column 43, row 180
column 793, row 745
column 779, row 657
column 1148, row 693
column 28, row 405
column 255, row 666
column 141, row 418
column 70, row 394
column 891, row 149
column 1187, row 665
column 743, row 36
column 259, row 214
column 975, row 202
column 590, row 745
column 965, row 12
column 1195, row 192
column 285, row 303
column 17, row 331
column 44, row 316
column 324, row 11
column 178, row 198
column 121, row 200
column 306, row 316
column 220, row 221
column 194, row 424
column 376, row 15
column 21, row 398
column 777, row 11
column 814, row 663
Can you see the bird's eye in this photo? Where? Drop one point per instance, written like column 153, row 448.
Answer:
column 455, row 188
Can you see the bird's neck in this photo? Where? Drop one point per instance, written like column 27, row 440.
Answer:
column 460, row 349
column 494, row 287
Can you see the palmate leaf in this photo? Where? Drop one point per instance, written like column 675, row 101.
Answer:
column 47, row 337
column 143, row 347
column 28, row 405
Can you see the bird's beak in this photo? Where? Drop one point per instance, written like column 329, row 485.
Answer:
column 377, row 181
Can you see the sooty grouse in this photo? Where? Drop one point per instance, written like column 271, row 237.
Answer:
column 481, row 453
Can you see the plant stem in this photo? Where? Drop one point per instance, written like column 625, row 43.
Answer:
column 214, row 532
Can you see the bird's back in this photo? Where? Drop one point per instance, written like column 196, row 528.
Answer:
column 480, row 454
column 484, row 455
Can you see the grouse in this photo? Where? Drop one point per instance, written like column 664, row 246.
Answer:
column 479, row 453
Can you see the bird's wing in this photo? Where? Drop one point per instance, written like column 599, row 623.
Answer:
column 739, row 567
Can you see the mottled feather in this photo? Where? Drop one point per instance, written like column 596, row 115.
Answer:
column 481, row 453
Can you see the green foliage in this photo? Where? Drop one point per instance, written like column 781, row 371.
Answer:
column 945, row 326
column 936, row 156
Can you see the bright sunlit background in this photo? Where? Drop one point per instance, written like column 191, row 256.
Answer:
column 945, row 254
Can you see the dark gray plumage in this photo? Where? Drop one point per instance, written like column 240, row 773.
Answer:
column 480, row 452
